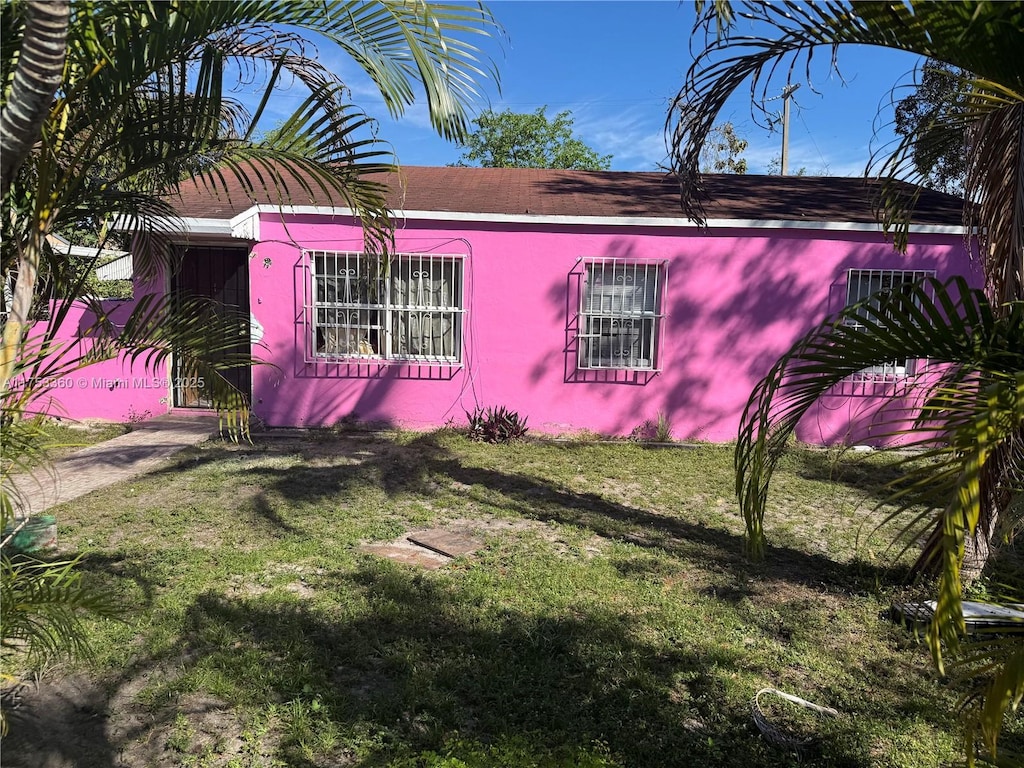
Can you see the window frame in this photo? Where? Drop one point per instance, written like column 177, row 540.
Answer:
column 896, row 370
column 616, row 306
column 373, row 337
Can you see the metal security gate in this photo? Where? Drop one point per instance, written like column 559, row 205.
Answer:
column 221, row 274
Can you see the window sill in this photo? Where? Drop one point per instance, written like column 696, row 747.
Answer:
column 321, row 359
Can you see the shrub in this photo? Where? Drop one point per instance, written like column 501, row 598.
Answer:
column 659, row 431
column 495, row 425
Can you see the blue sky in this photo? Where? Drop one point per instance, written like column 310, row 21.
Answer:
column 617, row 65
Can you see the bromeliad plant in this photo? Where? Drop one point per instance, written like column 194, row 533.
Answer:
column 495, row 425
column 961, row 492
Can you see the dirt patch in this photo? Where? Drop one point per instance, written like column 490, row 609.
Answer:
column 401, row 550
column 74, row 722
column 253, row 585
column 58, row 724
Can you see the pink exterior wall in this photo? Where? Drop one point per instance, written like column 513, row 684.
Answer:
column 735, row 300
column 113, row 390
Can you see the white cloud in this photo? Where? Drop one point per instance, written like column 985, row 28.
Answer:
column 819, row 161
column 634, row 140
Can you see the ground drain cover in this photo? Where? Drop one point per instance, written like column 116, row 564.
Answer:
column 446, row 542
column 402, row 551
column 426, row 549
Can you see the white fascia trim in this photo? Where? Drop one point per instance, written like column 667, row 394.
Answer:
column 676, row 222
column 184, row 225
column 199, row 226
column 624, row 221
column 246, row 225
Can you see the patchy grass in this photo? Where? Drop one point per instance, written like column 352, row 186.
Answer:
column 58, row 438
column 64, row 436
column 609, row 620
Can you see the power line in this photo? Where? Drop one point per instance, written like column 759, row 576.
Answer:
column 824, row 162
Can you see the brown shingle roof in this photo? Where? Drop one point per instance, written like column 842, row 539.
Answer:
column 542, row 192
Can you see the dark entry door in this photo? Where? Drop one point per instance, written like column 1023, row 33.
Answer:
column 221, row 274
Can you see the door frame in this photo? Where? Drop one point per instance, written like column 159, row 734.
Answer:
column 182, row 394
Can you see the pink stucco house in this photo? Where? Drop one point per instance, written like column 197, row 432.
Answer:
column 586, row 301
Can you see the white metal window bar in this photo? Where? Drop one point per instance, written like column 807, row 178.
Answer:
column 620, row 314
column 408, row 309
column 862, row 283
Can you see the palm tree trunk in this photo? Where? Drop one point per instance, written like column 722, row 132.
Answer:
column 21, row 306
column 977, row 549
column 39, row 72
column 1002, row 484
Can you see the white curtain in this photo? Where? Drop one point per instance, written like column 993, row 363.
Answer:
column 423, row 323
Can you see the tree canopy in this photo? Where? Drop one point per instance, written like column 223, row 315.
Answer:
column 940, row 98
column 723, row 151
column 510, row 139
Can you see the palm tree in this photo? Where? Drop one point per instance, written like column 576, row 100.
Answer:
column 982, row 38
column 137, row 112
column 142, row 103
column 970, row 483
column 34, row 83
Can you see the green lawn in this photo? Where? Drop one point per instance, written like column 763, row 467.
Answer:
column 609, row 619
column 60, row 437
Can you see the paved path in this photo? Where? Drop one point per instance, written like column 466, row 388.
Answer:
column 146, row 447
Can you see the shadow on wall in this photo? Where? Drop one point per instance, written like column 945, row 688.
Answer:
column 733, row 303
column 726, row 322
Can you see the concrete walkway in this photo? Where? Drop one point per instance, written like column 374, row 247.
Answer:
column 146, row 447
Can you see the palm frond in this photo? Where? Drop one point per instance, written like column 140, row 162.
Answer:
column 978, row 37
column 42, row 606
column 990, row 670
column 144, row 105
column 947, row 323
column 970, row 427
column 201, row 334
column 995, row 184
column 141, row 111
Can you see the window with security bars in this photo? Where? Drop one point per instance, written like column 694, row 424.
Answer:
column 620, row 314
column 863, row 283
column 407, row 309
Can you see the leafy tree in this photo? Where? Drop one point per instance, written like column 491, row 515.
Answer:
column 939, row 99
column 722, row 151
column 142, row 101
column 775, row 168
column 971, row 485
column 510, row 139
column 300, row 143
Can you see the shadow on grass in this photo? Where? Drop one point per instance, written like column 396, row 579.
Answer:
column 416, row 664
column 408, row 662
column 424, row 467
column 870, row 475
column 403, row 662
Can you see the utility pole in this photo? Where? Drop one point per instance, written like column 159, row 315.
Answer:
column 786, row 93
